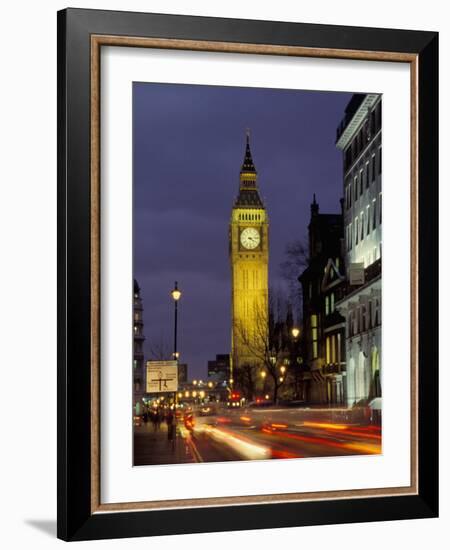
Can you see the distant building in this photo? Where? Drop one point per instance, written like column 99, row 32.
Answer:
column 200, row 391
column 359, row 139
column 138, row 352
column 323, row 339
column 219, row 368
column 182, row 373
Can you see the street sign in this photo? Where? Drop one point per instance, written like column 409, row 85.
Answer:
column 356, row 274
column 162, row 376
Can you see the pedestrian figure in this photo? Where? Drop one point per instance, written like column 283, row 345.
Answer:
column 159, row 418
column 170, row 420
column 155, row 420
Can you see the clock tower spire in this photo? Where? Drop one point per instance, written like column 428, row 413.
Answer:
column 249, row 259
column 248, row 196
column 248, row 165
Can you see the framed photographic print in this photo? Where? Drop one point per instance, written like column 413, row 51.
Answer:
column 247, row 274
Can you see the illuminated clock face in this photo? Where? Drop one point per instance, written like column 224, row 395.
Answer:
column 250, row 238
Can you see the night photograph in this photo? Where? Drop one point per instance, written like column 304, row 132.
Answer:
column 257, row 245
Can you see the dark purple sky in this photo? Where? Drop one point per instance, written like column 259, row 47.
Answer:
column 188, row 147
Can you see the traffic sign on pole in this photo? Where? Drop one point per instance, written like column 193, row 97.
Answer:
column 162, row 376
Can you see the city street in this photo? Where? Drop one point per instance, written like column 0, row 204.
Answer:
column 259, row 434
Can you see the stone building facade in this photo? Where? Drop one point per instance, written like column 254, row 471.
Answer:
column 138, row 351
column 323, row 340
column 359, row 139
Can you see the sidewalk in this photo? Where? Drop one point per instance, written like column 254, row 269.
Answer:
column 153, row 447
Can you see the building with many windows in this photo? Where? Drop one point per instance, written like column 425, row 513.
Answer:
column 359, row 139
column 182, row 373
column 219, row 368
column 323, row 339
column 138, row 351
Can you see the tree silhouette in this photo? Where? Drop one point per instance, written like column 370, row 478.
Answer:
column 267, row 341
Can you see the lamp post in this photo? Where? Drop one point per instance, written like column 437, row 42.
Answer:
column 295, row 334
column 176, row 295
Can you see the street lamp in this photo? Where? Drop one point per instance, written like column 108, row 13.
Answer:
column 176, row 295
column 295, row 333
column 263, row 374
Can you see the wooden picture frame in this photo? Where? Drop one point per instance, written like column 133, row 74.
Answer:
column 81, row 35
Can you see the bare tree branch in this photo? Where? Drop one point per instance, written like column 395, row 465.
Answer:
column 266, row 346
column 159, row 350
column 296, row 261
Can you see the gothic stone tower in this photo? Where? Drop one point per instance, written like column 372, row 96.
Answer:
column 249, row 259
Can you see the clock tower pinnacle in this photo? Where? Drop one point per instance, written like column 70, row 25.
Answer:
column 249, row 261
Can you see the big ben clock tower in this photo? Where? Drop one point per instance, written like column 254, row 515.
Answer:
column 249, row 259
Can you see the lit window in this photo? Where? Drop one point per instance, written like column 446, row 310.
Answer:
column 315, row 349
column 332, row 302
column 314, row 336
column 327, row 305
column 377, row 312
column 362, row 225
column 338, row 350
column 328, row 349
column 333, row 348
column 374, row 213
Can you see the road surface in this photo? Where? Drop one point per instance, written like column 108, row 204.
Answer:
column 259, row 434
